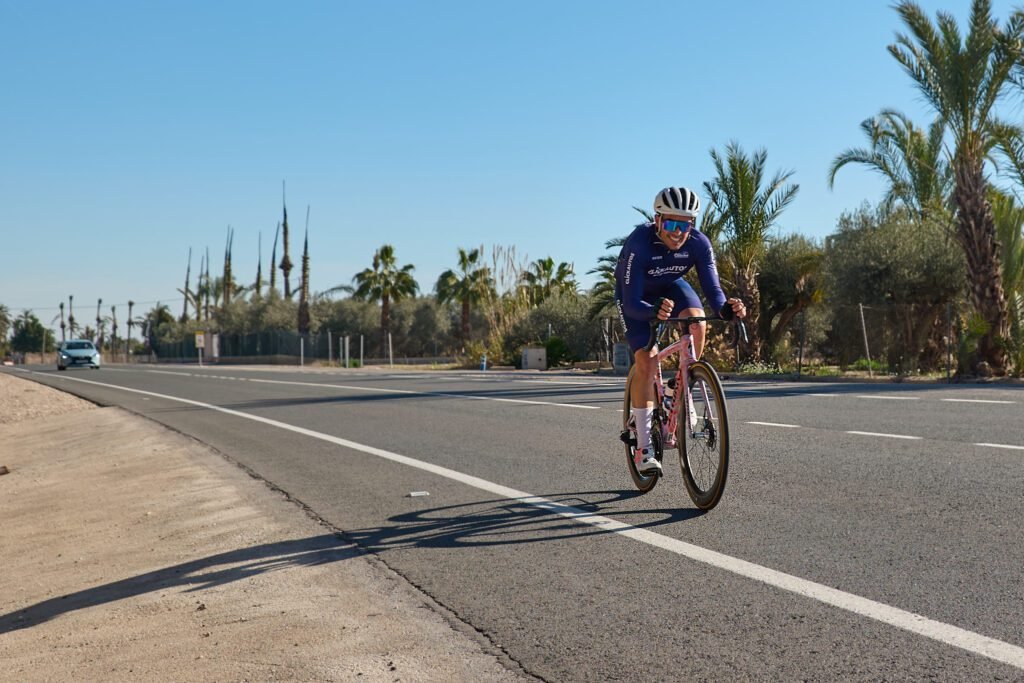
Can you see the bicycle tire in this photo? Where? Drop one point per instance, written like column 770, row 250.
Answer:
column 642, row 483
column 696, row 458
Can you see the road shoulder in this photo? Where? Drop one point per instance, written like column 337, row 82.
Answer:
column 135, row 553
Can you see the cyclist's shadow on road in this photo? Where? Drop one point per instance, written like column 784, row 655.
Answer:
column 511, row 521
column 196, row 575
column 481, row 523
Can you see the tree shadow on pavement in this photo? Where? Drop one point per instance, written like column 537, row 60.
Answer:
column 511, row 521
column 197, row 575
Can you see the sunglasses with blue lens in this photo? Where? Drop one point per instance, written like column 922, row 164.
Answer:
column 670, row 225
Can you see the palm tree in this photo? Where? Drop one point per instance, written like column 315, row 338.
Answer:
column 303, row 316
column 963, row 80
column 185, row 292
column 469, row 286
column 72, row 323
column 602, row 294
column 1009, row 219
column 5, row 323
column 131, row 321
column 911, row 160
column 387, row 283
column 286, row 261
column 543, row 279
column 748, row 209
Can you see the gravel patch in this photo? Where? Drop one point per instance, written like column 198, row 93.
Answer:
column 22, row 399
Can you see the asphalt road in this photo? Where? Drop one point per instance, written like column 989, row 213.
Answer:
column 868, row 531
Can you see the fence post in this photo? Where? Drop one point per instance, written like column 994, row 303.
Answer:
column 360, row 350
column 864, row 328
column 302, row 351
column 346, row 351
column 329, row 348
column 391, row 358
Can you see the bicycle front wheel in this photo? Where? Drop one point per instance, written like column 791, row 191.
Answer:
column 642, row 482
column 704, row 437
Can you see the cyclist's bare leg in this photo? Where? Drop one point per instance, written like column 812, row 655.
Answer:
column 641, row 392
column 697, row 330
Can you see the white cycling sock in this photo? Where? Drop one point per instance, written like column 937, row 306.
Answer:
column 642, row 418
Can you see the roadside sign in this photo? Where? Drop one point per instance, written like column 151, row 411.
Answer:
column 200, row 340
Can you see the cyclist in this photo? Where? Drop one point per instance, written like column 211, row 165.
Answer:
column 649, row 284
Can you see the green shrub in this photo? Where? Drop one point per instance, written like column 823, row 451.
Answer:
column 862, row 365
column 558, row 351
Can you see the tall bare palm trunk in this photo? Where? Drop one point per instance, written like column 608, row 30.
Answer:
column 465, row 322
column 385, row 324
column 976, row 233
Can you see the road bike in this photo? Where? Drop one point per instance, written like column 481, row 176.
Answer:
column 689, row 414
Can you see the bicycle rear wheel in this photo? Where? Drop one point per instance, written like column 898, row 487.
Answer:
column 704, row 444
column 643, row 483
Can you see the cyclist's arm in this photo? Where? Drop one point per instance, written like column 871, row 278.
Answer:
column 707, row 272
column 632, row 284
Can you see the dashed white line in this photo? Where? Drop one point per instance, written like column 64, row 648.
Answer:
column 1001, row 445
column 891, row 398
column 970, row 641
column 891, row 436
column 774, row 424
column 975, row 400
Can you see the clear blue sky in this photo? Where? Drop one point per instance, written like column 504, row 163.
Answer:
column 131, row 131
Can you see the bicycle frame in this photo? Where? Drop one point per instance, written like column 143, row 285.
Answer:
column 684, row 348
column 682, row 395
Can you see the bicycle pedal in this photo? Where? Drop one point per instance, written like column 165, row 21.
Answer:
column 626, row 436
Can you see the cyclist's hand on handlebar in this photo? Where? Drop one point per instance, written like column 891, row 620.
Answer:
column 738, row 309
column 665, row 309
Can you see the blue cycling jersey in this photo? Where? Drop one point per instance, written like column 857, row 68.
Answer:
column 647, row 268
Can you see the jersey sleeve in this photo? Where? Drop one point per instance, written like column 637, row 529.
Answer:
column 635, row 258
column 707, row 272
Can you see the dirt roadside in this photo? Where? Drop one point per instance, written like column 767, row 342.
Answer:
column 132, row 553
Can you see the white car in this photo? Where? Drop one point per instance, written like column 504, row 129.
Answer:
column 77, row 353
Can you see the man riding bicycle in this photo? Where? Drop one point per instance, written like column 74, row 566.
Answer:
column 649, row 284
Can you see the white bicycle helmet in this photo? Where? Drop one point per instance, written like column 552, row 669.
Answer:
column 677, row 202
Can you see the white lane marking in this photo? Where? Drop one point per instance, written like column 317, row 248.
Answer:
column 728, row 390
column 891, row 436
column 774, row 424
column 402, row 391
column 179, row 374
column 468, row 397
column 1001, row 445
column 816, row 394
column 891, row 398
column 974, row 400
column 997, row 650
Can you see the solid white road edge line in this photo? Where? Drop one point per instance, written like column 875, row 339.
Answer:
column 468, row 397
column 774, row 424
column 976, row 643
column 391, row 391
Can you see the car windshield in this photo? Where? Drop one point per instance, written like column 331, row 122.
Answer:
column 77, row 346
